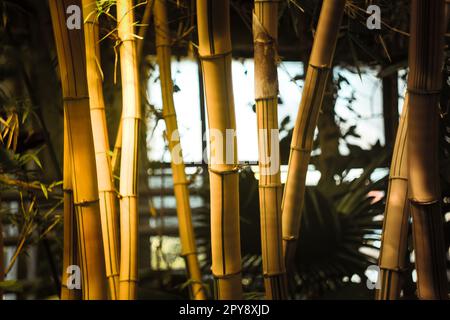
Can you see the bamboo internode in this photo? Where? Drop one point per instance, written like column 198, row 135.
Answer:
column 131, row 118
column 424, row 86
column 320, row 63
column 106, row 190
column 213, row 18
column 72, row 68
column 180, row 182
column 265, row 34
column 394, row 242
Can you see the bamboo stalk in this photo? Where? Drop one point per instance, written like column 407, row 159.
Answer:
column 320, row 63
column 390, row 107
column 70, row 252
column 71, row 58
column 106, row 189
column 131, row 117
column 394, row 242
column 265, row 35
column 213, row 19
column 180, row 182
column 117, row 152
column 424, row 86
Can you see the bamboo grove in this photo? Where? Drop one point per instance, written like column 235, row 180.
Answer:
column 102, row 199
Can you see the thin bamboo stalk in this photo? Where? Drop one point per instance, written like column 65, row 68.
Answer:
column 213, row 19
column 106, row 191
column 131, row 118
column 70, row 249
column 394, row 242
column 180, row 182
column 424, row 86
column 71, row 58
column 265, row 35
column 320, row 63
column 117, row 152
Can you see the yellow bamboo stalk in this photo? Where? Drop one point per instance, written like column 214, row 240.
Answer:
column 72, row 68
column 320, row 63
column 424, row 86
column 131, row 117
column 213, row 19
column 265, row 35
column 117, row 152
column 180, row 182
column 394, row 242
column 70, row 252
column 106, row 190
column 115, row 161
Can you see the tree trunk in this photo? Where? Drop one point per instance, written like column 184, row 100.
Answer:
column 71, row 58
column 180, row 182
column 106, row 189
column 320, row 63
column 394, row 242
column 131, row 117
column 265, row 35
column 213, row 19
column 424, row 86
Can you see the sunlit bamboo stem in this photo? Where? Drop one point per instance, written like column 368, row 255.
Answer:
column 70, row 252
column 320, row 63
column 424, row 87
column 72, row 67
column 180, row 182
column 265, row 35
column 213, row 19
column 394, row 242
column 117, row 152
column 106, row 192
column 131, row 117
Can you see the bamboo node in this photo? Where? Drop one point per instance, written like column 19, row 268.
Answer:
column 214, row 56
column 69, row 98
column 321, row 67
column 188, row 253
column 84, row 203
column 398, row 178
column 274, row 274
column 270, row 185
column 225, row 172
column 228, row 275
column 300, row 149
column 290, row 238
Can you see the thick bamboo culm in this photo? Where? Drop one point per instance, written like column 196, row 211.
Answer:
column 424, row 87
column 394, row 242
column 72, row 68
column 106, row 191
column 265, row 35
column 180, row 182
column 70, row 242
column 320, row 63
column 131, row 117
column 213, row 19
